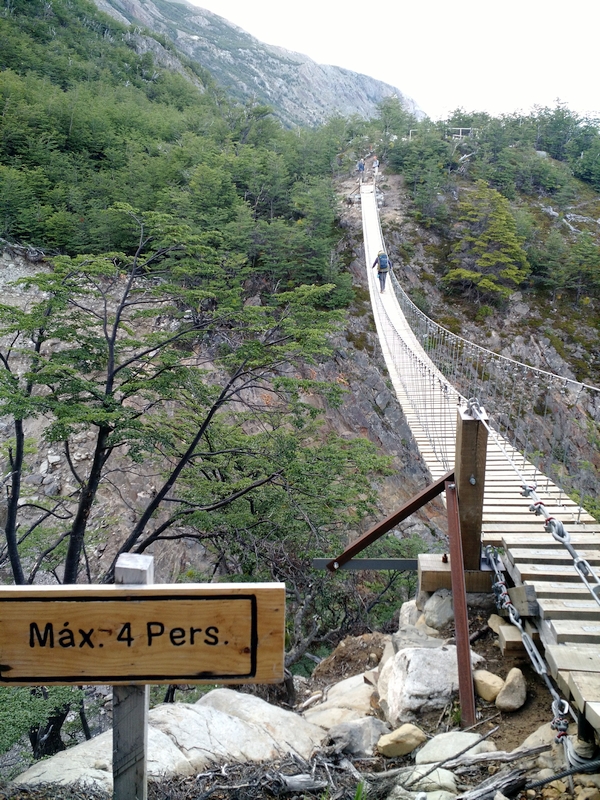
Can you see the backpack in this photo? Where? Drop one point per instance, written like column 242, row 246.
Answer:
column 384, row 263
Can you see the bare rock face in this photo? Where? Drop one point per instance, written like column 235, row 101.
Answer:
column 301, row 91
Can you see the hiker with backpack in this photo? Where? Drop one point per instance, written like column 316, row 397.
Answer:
column 384, row 265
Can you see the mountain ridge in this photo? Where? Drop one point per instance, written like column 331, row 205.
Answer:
column 301, row 91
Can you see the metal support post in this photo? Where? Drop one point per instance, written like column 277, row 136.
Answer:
column 461, row 621
column 469, row 472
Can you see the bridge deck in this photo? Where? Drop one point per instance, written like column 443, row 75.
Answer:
column 568, row 619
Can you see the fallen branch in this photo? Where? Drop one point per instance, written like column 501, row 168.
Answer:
column 499, row 755
column 511, row 783
column 450, row 759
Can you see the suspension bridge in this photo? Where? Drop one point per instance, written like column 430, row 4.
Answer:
column 541, row 466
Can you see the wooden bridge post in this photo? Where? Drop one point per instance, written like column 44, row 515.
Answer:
column 469, row 473
column 130, row 705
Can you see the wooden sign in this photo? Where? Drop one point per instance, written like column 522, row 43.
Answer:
column 167, row 633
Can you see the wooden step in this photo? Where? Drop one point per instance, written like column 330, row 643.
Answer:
column 582, row 658
column 533, row 540
column 542, row 572
column 585, row 688
column 592, row 714
column 559, row 589
column 550, row 556
column 567, row 609
column 575, row 631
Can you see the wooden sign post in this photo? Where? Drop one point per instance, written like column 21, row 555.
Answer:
column 131, row 703
column 132, row 635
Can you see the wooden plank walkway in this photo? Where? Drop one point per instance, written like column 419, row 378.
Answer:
column 568, row 625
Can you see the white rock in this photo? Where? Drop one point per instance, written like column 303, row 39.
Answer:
column 90, row 763
column 447, row 745
column 409, row 613
column 295, row 734
column 413, row 636
column 348, row 700
column 439, row 610
column 384, row 679
column 543, row 735
column 388, row 652
column 421, row 624
column 52, row 459
column 331, row 716
column 205, row 735
column 422, row 679
column 359, row 737
column 438, row 779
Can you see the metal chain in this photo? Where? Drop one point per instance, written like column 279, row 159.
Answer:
column 560, row 534
column 552, row 525
column 560, row 707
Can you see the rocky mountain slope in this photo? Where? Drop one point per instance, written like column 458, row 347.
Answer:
column 301, row 91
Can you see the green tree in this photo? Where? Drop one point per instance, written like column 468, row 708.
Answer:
column 583, row 267
column 392, row 124
column 489, row 256
column 136, row 384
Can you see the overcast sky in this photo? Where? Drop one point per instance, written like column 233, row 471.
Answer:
column 498, row 57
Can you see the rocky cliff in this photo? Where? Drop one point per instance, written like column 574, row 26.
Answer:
column 301, row 91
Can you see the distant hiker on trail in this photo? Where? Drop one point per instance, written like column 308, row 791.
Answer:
column 383, row 264
column 375, row 167
column 361, row 169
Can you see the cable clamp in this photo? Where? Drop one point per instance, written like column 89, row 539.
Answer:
column 538, row 508
column 527, row 489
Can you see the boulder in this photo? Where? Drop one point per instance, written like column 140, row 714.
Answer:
column 358, row 738
column 421, row 625
column 346, row 701
column 481, row 601
column 448, row 745
column 412, row 636
column 439, row 610
column 388, row 652
column 403, row 740
column 409, row 613
column 421, row 599
column 383, row 681
column 422, row 679
column 207, row 736
column 90, row 763
column 514, row 692
column 487, row 685
column 439, row 779
column 294, row 734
